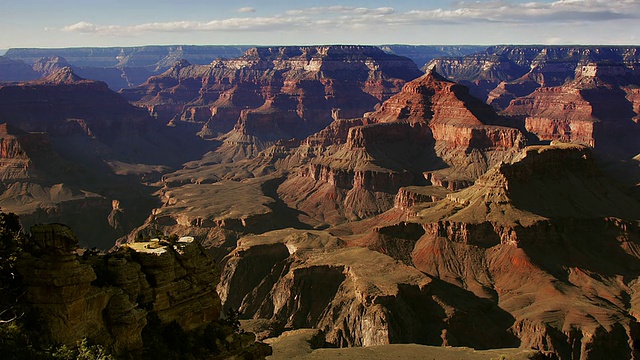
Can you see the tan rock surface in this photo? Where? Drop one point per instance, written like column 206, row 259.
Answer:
column 297, row 344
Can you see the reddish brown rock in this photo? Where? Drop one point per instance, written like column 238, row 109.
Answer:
column 356, row 296
column 79, row 147
column 274, row 93
column 432, row 124
column 529, row 220
column 542, row 74
column 503, row 72
column 595, row 109
column 63, row 104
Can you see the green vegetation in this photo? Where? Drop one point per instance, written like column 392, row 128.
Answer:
column 223, row 338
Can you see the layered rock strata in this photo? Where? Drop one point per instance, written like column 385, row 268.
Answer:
column 433, row 131
column 357, row 297
column 546, row 239
column 273, row 93
column 501, row 73
column 545, row 219
column 106, row 298
column 596, row 109
column 72, row 147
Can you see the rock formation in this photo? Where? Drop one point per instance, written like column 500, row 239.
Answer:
column 273, row 93
column 546, row 219
column 126, row 67
column 72, row 146
column 106, row 298
column 595, row 109
column 357, row 297
column 432, row 131
column 507, row 71
column 548, row 240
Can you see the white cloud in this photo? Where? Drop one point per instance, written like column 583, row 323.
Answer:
column 342, row 10
column 246, row 10
column 348, row 17
column 82, row 27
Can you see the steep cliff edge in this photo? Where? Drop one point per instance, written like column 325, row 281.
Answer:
column 119, row 299
column 103, row 298
column 358, row 297
column 432, row 131
column 595, row 109
column 273, row 93
column 553, row 219
column 518, row 69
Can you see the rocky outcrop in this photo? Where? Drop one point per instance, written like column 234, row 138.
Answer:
column 532, row 217
column 454, row 116
column 357, row 297
column 594, row 109
column 410, row 196
column 48, row 66
column 433, row 131
column 70, row 308
column 17, row 151
column 501, row 73
column 106, row 298
column 240, row 207
column 274, row 93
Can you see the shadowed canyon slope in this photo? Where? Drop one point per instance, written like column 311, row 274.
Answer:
column 433, row 131
column 525, row 244
column 598, row 108
column 76, row 152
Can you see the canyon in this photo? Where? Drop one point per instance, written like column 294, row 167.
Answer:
column 490, row 202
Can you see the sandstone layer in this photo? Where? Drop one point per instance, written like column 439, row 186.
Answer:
column 273, row 93
column 503, row 72
column 596, row 109
column 432, row 131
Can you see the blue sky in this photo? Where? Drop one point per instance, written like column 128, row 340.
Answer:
column 63, row 23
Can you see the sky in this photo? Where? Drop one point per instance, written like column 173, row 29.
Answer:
column 72, row 23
